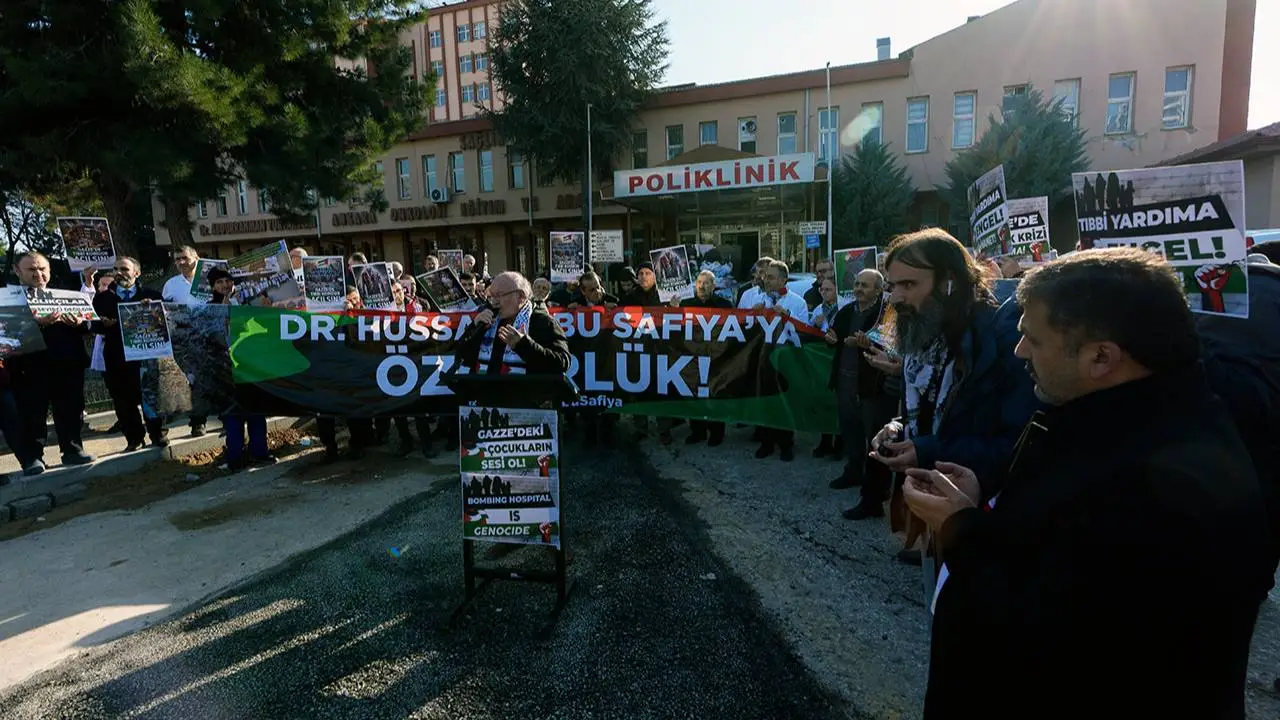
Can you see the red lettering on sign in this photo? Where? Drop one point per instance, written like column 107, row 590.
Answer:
column 654, row 183
column 634, row 182
column 788, row 169
column 702, row 178
column 721, row 180
column 755, row 174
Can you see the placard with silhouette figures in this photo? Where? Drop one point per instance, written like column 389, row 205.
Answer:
column 145, row 331
column 989, row 213
column 87, row 242
column 509, row 463
column 1192, row 215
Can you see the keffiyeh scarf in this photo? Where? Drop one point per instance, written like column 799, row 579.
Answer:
column 928, row 378
column 511, row 362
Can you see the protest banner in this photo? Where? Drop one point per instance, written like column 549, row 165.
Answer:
column 201, row 290
column 446, row 291
column 1028, row 225
column 87, row 242
column 51, row 301
column 451, row 259
column 848, row 263
column 324, row 282
column 727, row 365
column 199, row 337
column 510, row 465
column 1192, row 215
column 568, row 256
column 989, row 214
column 145, row 331
column 374, row 283
column 606, row 246
column 19, row 334
column 264, row 278
column 675, row 274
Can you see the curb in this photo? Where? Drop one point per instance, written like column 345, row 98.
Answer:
column 59, row 486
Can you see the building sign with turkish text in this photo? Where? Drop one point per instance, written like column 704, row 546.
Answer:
column 726, row 174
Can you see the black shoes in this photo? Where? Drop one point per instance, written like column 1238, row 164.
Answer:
column 787, row 453
column 864, row 511
column 764, row 451
column 844, row 482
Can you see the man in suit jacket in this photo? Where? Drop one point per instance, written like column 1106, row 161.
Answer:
column 51, row 377
column 124, row 380
column 515, row 339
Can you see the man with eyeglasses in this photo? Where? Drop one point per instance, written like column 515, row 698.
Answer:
column 823, row 270
column 124, row 379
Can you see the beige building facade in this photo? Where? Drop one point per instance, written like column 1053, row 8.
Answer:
column 1145, row 84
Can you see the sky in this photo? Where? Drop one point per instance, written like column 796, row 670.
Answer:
column 721, row 40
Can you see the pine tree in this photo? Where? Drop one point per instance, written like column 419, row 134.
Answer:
column 871, row 197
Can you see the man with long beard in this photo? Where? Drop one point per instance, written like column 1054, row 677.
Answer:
column 966, row 395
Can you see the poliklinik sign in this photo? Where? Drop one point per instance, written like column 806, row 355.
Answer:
column 726, row 174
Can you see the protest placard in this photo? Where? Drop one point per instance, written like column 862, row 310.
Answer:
column 675, row 273
column 446, row 291
column 145, row 331
column 568, row 256
column 87, row 242
column 374, row 283
column 52, row 301
column 848, row 263
column 324, row 280
column 264, row 278
column 989, row 214
column 510, row 468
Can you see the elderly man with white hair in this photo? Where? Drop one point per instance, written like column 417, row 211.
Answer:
column 516, row 339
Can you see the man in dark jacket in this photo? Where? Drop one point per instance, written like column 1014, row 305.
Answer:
column 645, row 292
column 51, row 377
column 591, row 293
column 515, row 340
column 705, row 297
column 822, row 270
column 124, row 379
column 1121, row 568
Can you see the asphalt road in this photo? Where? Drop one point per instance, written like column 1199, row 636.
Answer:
column 656, row 627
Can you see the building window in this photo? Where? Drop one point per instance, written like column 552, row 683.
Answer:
column 242, row 197
column 874, row 113
column 515, row 170
column 639, row 149
column 1012, row 93
column 264, row 202
column 202, row 209
column 459, row 172
column 1120, row 104
column 828, row 134
column 437, row 68
column 1068, row 93
column 482, row 62
column 962, row 113
column 747, row 134
column 468, row 93
column 222, row 204
column 436, row 38
column 708, row 133
column 675, row 140
column 483, row 92
column 786, row 133
column 480, row 31
column 486, row 171
column 918, row 125
column 404, row 178
column 428, row 175
column 464, row 33
column 330, row 202
column 1177, row 98
column 442, row 97
column 464, row 64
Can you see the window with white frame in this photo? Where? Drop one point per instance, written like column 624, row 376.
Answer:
column 828, row 134
column 962, row 119
column 1067, row 92
column 708, row 132
column 873, row 116
column 515, row 170
column 330, row 201
column 675, row 140
column 1119, row 104
column 483, row 92
column 464, row 33
column 747, row 134
column 786, row 133
column 437, row 68
column 486, row 171
column 639, row 149
column 480, row 30
column 202, row 209
column 458, row 169
column 442, row 97
column 918, row 125
column 482, row 62
column 264, row 202
column 429, row 180
column 404, row 178
column 468, row 93
column 436, row 38
column 1012, row 94
column 1177, row 98
column 465, row 64
column 222, row 204
column 242, row 197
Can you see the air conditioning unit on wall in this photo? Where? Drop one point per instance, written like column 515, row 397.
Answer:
column 440, row 195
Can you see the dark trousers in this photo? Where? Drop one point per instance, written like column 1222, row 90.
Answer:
column 706, row 428
column 421, row 423
column 361, row 430
column 773, row 437
column 876, row 411
column 235, row 428
column 11, row 426
column 38, row 386
column 125, row 385
column 852, row 432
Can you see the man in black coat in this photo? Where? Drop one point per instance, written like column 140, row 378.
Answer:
column 645, row 292
column 1120, row 569
column 536, row 343
column 124, row 379
column 51, row 377
column 705, row 297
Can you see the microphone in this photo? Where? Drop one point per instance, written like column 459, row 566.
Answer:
column 478, row 327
